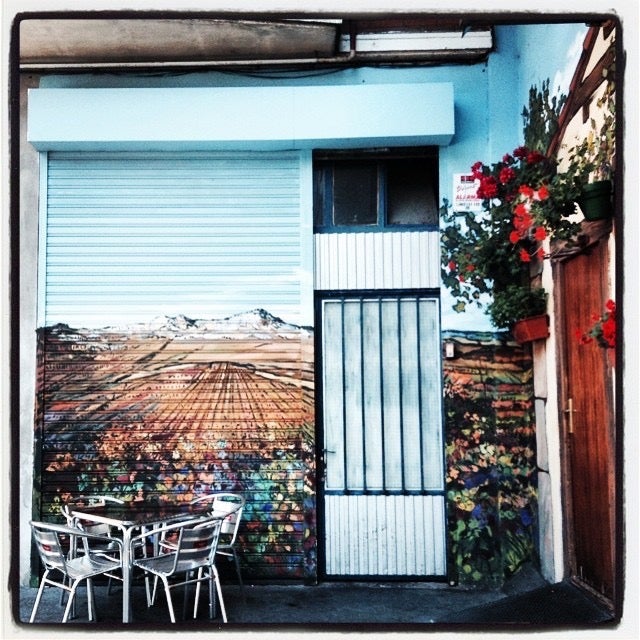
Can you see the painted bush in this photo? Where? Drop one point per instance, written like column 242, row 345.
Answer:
column 490, row 450
column 167, row 412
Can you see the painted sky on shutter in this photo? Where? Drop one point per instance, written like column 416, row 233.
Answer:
column 130, row 237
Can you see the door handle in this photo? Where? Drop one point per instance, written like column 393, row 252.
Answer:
column 569, row 411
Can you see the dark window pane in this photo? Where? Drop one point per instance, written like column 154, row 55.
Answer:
column 411, row 193
column 355, row 194
column 320, row 194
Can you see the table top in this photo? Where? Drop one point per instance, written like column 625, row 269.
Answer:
column 138, row 513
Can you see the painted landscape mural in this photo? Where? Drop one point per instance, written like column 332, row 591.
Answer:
column 173, row 408
column 491, row 457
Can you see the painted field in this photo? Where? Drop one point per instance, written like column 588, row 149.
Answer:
column 170, row 410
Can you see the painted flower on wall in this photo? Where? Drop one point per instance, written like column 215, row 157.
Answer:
column 491, row 475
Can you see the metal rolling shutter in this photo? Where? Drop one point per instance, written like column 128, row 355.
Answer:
column 130, row 235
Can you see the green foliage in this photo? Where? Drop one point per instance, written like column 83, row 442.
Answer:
column 491, row 488
column 516, row 302
column 525, row 202
column 486, row 257
column 540, row 118
column 594, row 157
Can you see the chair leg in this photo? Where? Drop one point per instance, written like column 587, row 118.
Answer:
column 63, row 591
column 214, row 570
column 167, row 592
column 196, row 600
column 72, row 595
column 147, row 589
column 151, row 598
column 90, row 600
column 236, row 561
column 36, row 604
column 212, row 596
column 185, row 595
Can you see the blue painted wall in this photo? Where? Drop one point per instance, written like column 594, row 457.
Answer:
column 483, row 94
column 488, row 99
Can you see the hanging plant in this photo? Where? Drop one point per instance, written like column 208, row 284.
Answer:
column 592, row 161
column 525, row 201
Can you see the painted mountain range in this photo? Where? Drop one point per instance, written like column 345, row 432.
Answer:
column 169, row 409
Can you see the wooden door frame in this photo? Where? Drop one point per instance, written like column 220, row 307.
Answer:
column 615, row 402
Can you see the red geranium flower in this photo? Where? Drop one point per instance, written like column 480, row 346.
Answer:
column 521, row 152
column 521, row 210
column 522, row 221
column 488, row 187
column 507, row 174
column 534, row 156
column 526, row 190
column 603, row 330
column 476, row 170
column 542, row 193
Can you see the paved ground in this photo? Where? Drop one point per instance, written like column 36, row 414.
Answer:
column 526, row 601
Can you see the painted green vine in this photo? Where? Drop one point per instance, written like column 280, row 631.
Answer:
column 491, row 487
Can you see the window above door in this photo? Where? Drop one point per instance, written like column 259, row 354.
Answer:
column 375, row 190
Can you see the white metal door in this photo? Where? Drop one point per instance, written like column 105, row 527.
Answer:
column 382, row 426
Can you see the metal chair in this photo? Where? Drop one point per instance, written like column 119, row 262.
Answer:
column 96, row 528
column 192, row 554
column 233, row 505
column 55, row 558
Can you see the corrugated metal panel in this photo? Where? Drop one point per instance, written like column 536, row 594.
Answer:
column 167, row 410
column 135, row 235
column 394, row 260
column 385, row 536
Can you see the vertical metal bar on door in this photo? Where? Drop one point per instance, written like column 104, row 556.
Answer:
column 345, row 480
column 400, row 403
column 382, row 420
column 420, row 391
column 363, row 423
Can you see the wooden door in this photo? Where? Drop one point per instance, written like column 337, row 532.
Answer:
column 588, row 426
